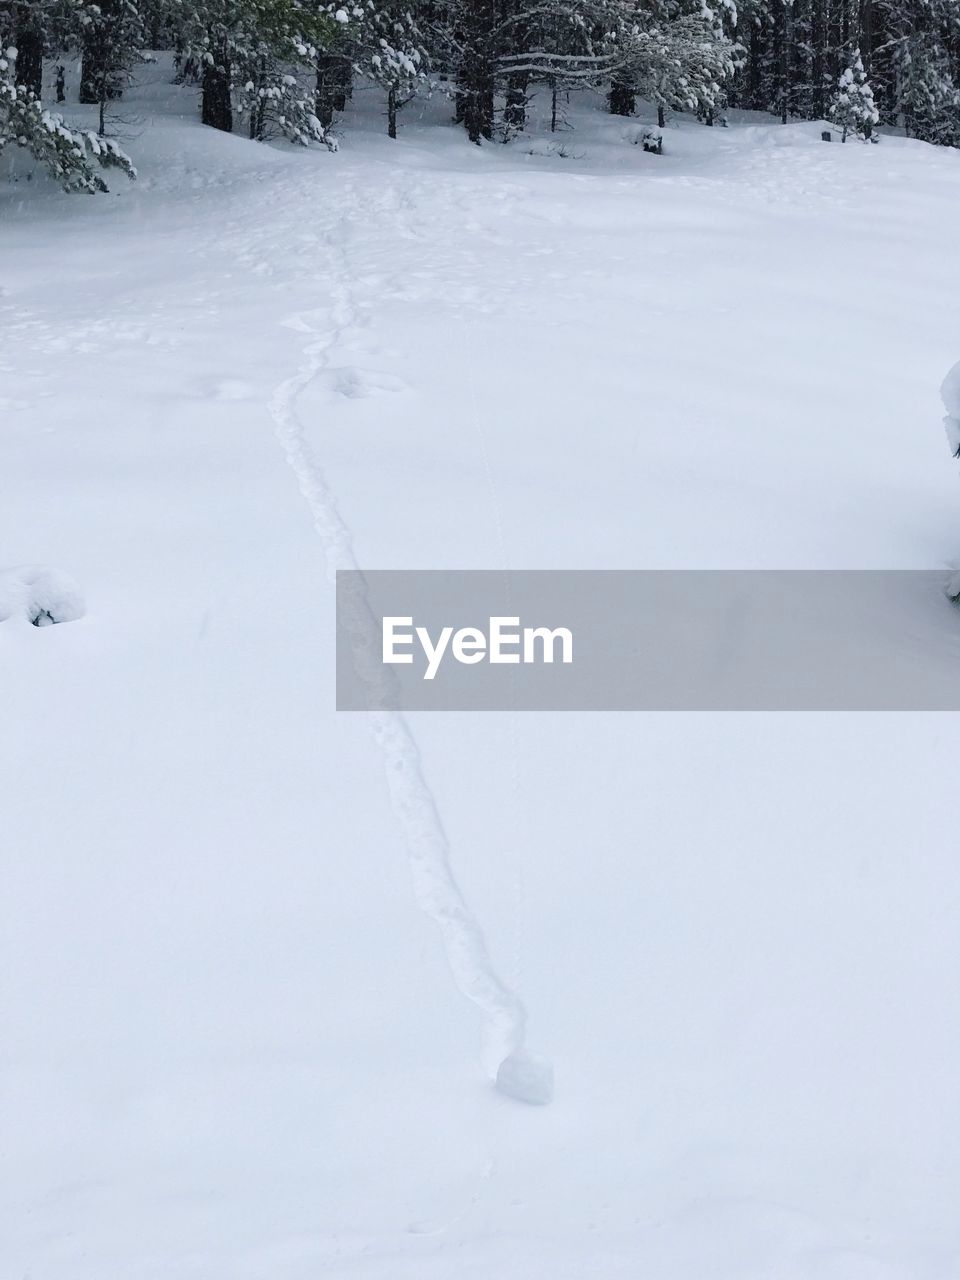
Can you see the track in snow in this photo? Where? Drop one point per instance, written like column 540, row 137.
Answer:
column 515, row 1071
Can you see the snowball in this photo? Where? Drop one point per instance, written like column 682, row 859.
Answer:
column 526, row 1077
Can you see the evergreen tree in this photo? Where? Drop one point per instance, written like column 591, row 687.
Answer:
column 380, row 40
column 676, row 55
column 853, row 107
column 111, row 35
column 72, row 156
column 253, row 55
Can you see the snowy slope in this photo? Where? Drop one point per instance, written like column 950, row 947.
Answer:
column 232, row 1046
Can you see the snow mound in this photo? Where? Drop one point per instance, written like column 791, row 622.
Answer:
column 950, row 394
column 41, row 596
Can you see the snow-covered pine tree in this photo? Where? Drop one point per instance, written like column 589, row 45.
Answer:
column 852, row 106
column 922, row 90
column 380, row 40
column 72, row 156
column 505, row 47
column 392, row 51
column 676, row 54
column 255, row 56
column 111, row 35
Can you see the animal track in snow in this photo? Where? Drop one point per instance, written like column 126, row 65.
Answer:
column 40, row 596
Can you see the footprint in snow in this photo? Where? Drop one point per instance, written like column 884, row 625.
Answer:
column 39, row 596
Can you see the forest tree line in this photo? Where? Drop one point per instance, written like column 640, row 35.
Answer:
column 287, row 67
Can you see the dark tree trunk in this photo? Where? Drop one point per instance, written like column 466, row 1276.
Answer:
column 477, row 81
column 30, row 60
column 515, row 108
column 818, row 35
column 755, row 78
column 344, row 86
column 661, row 117
column 216, row 108
column 392, row 112
column 477, row 68
column 333, row 86
column 553, row 106
column 866, row 34
column 786, row 36
column 93, row 72
column 623, row 97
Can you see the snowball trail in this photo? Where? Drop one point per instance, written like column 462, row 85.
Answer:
column 514, row 1072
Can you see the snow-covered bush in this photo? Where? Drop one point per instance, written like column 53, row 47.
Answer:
column 276, row 102
column 852, row 106
column 950, row 394
column 74, row 157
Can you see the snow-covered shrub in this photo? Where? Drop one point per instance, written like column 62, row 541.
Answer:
column 74, row 157
column 852, row 106
column 950, row 394
column 276, row 102
column 40, row 596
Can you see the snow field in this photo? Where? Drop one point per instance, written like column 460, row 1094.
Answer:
column 232, row 1042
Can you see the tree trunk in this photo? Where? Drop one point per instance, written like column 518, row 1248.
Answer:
column 785, row 39
column 29, row 64
column 333, row 86
column 661, row 116
column 93, row 72
column 216, row 108
column 623, row 97
column 866, row 34
column 477, row 81
column 818, row 38
column 515, row 109
column 391, row 112
column 477, row 69
column 343, row 88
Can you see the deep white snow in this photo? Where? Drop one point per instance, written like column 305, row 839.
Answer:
column 235, row 1042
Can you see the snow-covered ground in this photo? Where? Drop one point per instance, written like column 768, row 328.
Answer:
column 232, row 1048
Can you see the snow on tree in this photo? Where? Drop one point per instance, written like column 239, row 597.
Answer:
column 676, row 55
column 926, row 95
column 72, row 156
column 380, row 40
column 853, row 107
column 675, row 50
column 253, row 55
column 950, row 394
column 111, row 35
